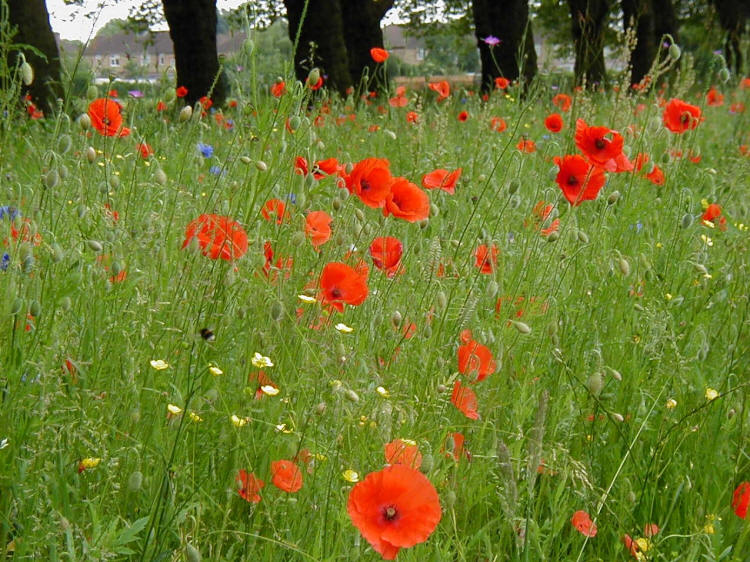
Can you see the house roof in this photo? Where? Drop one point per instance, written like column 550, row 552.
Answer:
column 156, row 42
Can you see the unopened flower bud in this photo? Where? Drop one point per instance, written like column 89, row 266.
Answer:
column 27, row 73
column 91, row 154
column 674, row 51
column 262, row 166
column 186, row 113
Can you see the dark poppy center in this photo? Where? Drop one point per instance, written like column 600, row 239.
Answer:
column 600, row 143
column 572, row 180
column 685, row 118
column 365, row 185
column 336, row 293
column 105, row 121
column 390, row 513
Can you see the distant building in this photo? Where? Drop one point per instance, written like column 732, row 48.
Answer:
column 408, row 49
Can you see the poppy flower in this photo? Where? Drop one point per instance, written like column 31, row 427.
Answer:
column 465, row 400
column 145, row 149
column 562, row 101
column 327, row 167
column 218, row 237
column 498, row 124
column 281, row 264
column 486, row 258
column 275, row 207
column 318, row 227
column 406, row 201
column 583, row 523
column 714, row 98
column 680, row 116
column 260, row 380
column 394, row 508
column 554, row 122
column 602, row 146
column 526, row 145
column 181, row 91
column 412, row 117
column 106, row 118
column 454, row 447
column 340, row 284
column 442, row 88
column 370, row 180
column 463, row 116
column 400, row 99
column 713, row 212
column 650, row 530
column 741, row 500
column 278, row 89
column 386, row 252
column 378, row 54
column 442, row 179
column 286, row 476
column 578, row 179
column 300, row 166
column 475, row 359
column 631, row 546
column 250, row 485
column 656, row 176
column 501, row 83
column 400, row 451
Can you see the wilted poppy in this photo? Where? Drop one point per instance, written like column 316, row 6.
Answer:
column 680, row 116
column 386, row 252
column 602, row 146
column 400, row 451
column 106, row 118
column 406, row 201
column 475, row 360
column 286, row 476
column 218, row 237
column 562, row 101
column 741, row 500
column 578, row 179
column 583, row 523
column 394, row 508
column 442, row 88
column 486, row 258
column 465, row 400
column 250, row 485
column 318, row 227
column 275, row 209
column 340, row 284
column 378, row 54
column 370, row 180
column 554, row 122
column 442, row 179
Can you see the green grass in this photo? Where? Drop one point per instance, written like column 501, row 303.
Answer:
column 629, row 306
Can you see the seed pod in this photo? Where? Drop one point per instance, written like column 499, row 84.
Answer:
column 16, row 306
column 687, row 221
column 396, row 319
column 186, row 113
column 351, row 395
column 64, row 143
column 92, row 92
column 624, row 266
column 513, row 185
column 91, row 154
column 192, row 554
column 27, row 73
column 583, row 237
column 95, row 245
column 135, row 481
column 595, row 383
column 294, row 122
column 262, row 166
column 35, row 308
column 427, row 463
column 277, row 310
column 613, row 197
column 521, row 327
column 674, row 51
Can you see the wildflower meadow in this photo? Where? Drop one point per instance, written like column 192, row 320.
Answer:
column 437, row 324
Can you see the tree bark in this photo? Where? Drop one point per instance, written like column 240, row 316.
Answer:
column 31, row 19
column 320, row 25
column 192, row 27
column 588, row 19
column 361, row 25
column 508, row 20
column 638, row 19
column 732, row 17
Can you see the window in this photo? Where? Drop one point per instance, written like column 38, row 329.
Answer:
column 145, row 59
column 420, row 54
column 162, row 60
column 114, row 60
column 98, row 60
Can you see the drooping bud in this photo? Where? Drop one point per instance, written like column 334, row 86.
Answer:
column 624, row 266
column 27, row 73
column 675, row 51
column 595, row 383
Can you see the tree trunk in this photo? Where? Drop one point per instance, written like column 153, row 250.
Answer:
column 732, row 17
column 321, row 41
column 361, row 23
column 32, row 21
column 638, row 19
column 508, row 20
column 588, row 18
column 192, row 27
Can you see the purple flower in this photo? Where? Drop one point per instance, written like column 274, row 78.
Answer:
column 206, row 150
column 4, row 262
column 135, row 93
column 492, row 41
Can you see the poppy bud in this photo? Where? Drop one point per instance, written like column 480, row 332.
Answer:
column 160, row 176
column 92, row 92
column 724, row 74
column 521, row 327
column 595, row 383
column 450, row 496
column 396, row 319
column 64, row 144
column 617, row 417
column 277, row 310
column 245, row 159
column 248, row 46
column 441, row 299
column 24, row 250
column 28, row 264
column 313, row 77
column 351, row 395
column 117, row 268
column 492, row 288
column 359, row 214
column 427, row 332
column 294, row 122
column 57, row 253
column 553, row 236
column 427, row 463
column 135, row 481
column 674, row 51
column 615, row 374
column 301, row 200
column 262, row 166
column 390, row 134
column 16, row 306
column 91, row 154
column 613, row 197
column 513, row 185
column 336, row 204
column 192, row 554
column 27, row 73
column 583, row 237
column 95, row 245
column 186, row 113
column 114, row 182
column 35, row 309
column 624, row 266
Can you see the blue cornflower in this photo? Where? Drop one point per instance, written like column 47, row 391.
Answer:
column 4, row 262
column 12, row 212
column 206, row 150
column 292, row 198
column 216, row 170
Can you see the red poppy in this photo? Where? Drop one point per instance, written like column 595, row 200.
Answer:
column 218, row 237
column 327, row 167
column 341, row 284
column 680, row 116
column 656, row 176
column 501, row 83
column 640, row 159
column 278, row 89
column 259, row 379
column 631, row 546
column 526, row 145
column 406, row 201
column 281, row 264
column 394, row 508
column 442, row 88
column 454, row 447
column 582, row 521
column 106, row 118
column 498, row 124
column 275, row 207
column 712, row 212
column 714, row 98
column 378, row 54
column 250, row 485
column 554, row 122
column 386, row 252
column 412, row 117
column 475, row 360
column 562, row 101
column 442, row 179
column 745, row 83
column 317, row 86
column 602, row 146
column 181, row 91
column 398, row 101
column 579, row 180
column 650, row 530
column 370, row 180
column 465, row 400
column 286, row 476
column 486, row 258
column 463, row 116
column 402, row 452
column 318, row 227
column 300, row 166
column 741, row 500
column 161, row 106
column 144, row 149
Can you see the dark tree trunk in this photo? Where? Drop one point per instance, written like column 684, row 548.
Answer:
column 589, row 18
column 322, row 25
column 32, row 21
column 361, row 22
column 638, row 19
column 508, row 20
column 192, row 27
column 732, row 17
column 665, row 21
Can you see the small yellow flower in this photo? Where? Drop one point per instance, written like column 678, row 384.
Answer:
column 350, row 476
column 704, row 203
column 707, row 240
column 671, row 404
column 643, row 543
column 195, row 417
column 336, row 384
column 711, row 394
column 90, row 462
column 238, row 421
column 215, row 371
column 343, row 328
column 382, row 391
column 159, row 364
column 283, row 428
column 306, row 299
column 708, row 528
column 174, row 410
column 320, row 457
column 408, row 441
column 269, row 390
column 668, row 296
column 261, row 361
column 659, row 245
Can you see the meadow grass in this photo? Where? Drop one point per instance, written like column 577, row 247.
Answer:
column 608, row 334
